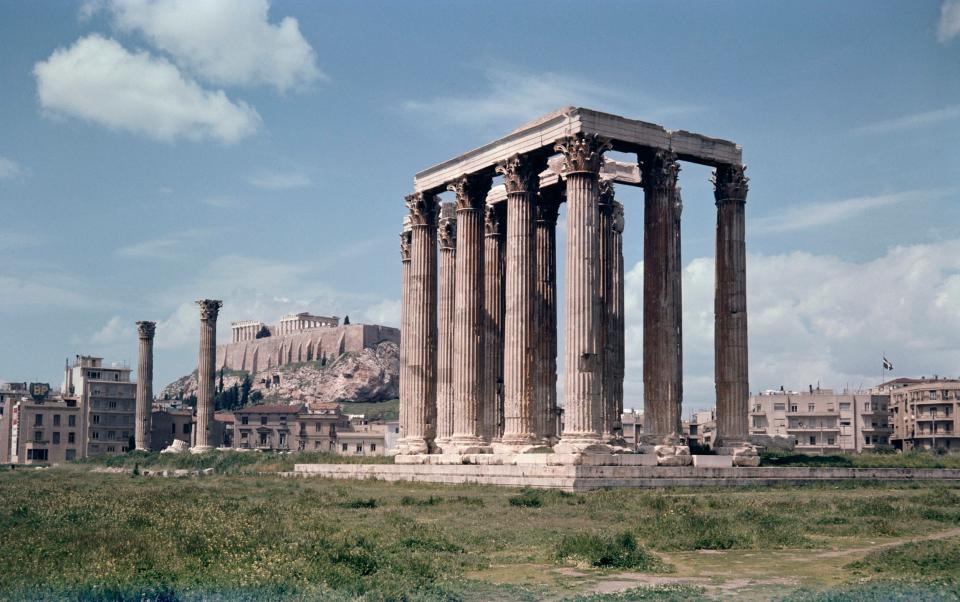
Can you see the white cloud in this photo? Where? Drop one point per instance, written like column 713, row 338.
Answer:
column 813, row 215
column 116, row 330
column 166, row 247
column 513, row 96
column 33, row 293
column 98, row 80
column 275, row 180
column 914, row 120
column 818, row 318
column 9, row 169
column 949, row 25
column 227, row 42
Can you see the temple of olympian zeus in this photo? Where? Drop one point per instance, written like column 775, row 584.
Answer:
column 479, row 297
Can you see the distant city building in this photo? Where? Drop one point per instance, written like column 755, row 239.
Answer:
column 701, row 428
column 40, row 427
column 924, row 413
column 169, row 424
column 108, row 397
column 821, row 421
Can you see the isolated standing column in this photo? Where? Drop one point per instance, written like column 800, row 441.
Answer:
column 419, row 407
column 447, row 238
column 494, row 301
column 145, row 332
column 605, row 293
column 545, row 314
column 582, row 157
column 468, row 336
column 206, row 373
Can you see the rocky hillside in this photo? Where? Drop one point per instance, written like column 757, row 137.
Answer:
column 368, row 375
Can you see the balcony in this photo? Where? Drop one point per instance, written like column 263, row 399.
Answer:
column 813, row 429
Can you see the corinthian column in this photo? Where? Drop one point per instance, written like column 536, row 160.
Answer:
column 545, row 314
column 617, row 322
column 206, row 374
column 494, row 301
column 521, row 178
column 468, row 336
column 404, row 313
column 662, row 310
column 419, row 407
column 447, row 237
column 583, row 412
column 145, row 331
column 730, row 316
column 605, row 295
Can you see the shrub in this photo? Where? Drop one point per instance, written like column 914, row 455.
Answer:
column 360, row 503
column 620, row 551
column 528, row 498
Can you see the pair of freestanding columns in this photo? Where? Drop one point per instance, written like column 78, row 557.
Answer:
column 592, row 359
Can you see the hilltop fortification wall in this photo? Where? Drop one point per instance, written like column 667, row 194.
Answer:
column 257, row 355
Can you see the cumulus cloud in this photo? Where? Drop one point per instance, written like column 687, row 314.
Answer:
column 814, row 215
column 818, row 319
column 949, row 25
column 116, row 330
column 226, row 42
column 276, row 180
column 98, row 80
column 512, row 96
column 9, row 169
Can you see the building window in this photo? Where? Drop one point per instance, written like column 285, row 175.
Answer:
column 95, row 435
column 96, row 418
column 283, row 440
column 71, row 454
column 38, row 419
column 844, row 406
column 173, row 428
column 344, row 448
column 830, row 440
column 38, row 436
column 813, row 439
column 263, row 439
column 186, row 428
column 112, row 404
column 37, row 454
column 244, row 420
column 866, row 406
column 777, row 407
column 373, row 447
column 56, row 438
column 793, row 408
column 332, row 446
column 71, row 437
column 811, row 407
column 263, row 420
column 71, row 421
column 111, row 448
column 56, row 420
column 316, row 427
column 359, row 448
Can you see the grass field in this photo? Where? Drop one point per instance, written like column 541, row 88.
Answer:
column 69, row 533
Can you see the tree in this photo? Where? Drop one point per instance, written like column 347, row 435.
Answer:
column 245, row 390
column 346, row 321
column 220, row 384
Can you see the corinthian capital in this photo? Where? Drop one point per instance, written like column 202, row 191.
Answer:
column 618, row 220
column 582, row 153
column 471, row 190
column 548, row 209
column 209, row 308
column 423, row 208
column 730, row 183
column 146, row 330
column 493, row 220
column 405, row 245
column 660, row 171
column 520, row 173
column 606, row 193
column 447, row 227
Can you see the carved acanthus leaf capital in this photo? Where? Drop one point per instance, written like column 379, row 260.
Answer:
column 660, row 171
column 730, row 183
column 493, row 220
column 471, row 190
column 607, row 193
column 423, row 208
column 520, row 173
column 582, row 153
column 209, row 308
column 447, row 228
column 547, row 210
column 405, row 237
column 146, row 330
column 618, row 219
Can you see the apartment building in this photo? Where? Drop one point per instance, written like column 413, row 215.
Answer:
column 821, row 421
column 109, row 400
column 924, row 413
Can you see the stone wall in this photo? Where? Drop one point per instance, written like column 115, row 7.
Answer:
column 271, row 352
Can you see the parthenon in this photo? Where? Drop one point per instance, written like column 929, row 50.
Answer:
column 479, row 331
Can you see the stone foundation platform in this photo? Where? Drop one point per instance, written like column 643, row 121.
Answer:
column 587, row 475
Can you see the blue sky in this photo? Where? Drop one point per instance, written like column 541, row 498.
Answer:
column 155, row 152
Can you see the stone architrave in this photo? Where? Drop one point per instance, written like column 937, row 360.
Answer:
column 206, row 374
column 419, row 407
column 447, row 238
column 521, row 178
column 583, row 414
column 405, row 235
column 730, row 316
column 617, row 322
column 494, row 251
column 144, row 407
column 545, row 315
column 469, row 328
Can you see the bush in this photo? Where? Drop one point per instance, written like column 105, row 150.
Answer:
column 360, row 503
column 528, row 498
column 619, row 552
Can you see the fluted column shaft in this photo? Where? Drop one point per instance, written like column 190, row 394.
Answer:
column 582, row 410
column 144, row 403
column 545, row 315
column 605, row 294
column 468, row 368
column 730, row 306
column 404, row 313
column 521, row 177
column 446, row 233
column 420, row 405
column 617, row 321
column 662, row 312
column 494, row 301
column 206, row 373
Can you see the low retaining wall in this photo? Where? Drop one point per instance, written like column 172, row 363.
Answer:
column 585, row 477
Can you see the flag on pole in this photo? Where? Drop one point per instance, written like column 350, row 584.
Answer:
column 886, row 364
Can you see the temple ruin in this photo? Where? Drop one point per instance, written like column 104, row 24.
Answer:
column 479, row 326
